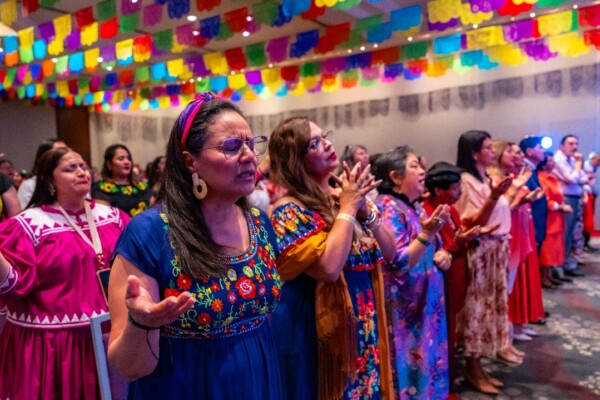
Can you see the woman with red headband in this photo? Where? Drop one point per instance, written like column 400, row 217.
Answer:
column 193, row 281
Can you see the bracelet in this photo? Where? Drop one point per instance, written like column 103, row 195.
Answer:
column 375, row 224
column 371, row 218
column 346, row 217
column 138, row 325
column 422, row 241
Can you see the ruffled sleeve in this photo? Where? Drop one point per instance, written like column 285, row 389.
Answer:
column 301, row 238
column 397, row 221
column 18, row 248
column 143, row 240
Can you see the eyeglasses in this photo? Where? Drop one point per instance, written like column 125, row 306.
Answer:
column 232, row 147
column 316, row 142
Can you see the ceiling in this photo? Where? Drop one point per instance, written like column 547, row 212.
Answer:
column 297, row 25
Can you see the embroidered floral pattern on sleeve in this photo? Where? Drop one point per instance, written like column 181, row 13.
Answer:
column 233, row 304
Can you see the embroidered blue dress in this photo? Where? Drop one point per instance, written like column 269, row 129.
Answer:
column 293, row 323
column 222, row 347
column 416, row 310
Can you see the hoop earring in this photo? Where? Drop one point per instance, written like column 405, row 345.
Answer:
column 199, row 183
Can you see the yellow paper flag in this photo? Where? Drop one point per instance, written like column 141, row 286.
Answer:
column 40, row 89
column 89, row 34
column 26, row 37
column 271, row 76
column 124, row 49
column 91, row 59
column 62, row 26
column 56, row 46
column 174, row 67
column 555, row 24
column 8, row 12
column 507, row 55
column 216, row 63
column 330, row 84
column 469, row 18
column 443, row 10
column 568, row 44
column 485, row 37
column 62, row 87
column 236, row 81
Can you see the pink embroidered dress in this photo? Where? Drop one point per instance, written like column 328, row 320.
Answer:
column 49, row 296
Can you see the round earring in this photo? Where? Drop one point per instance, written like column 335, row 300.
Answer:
column 199, row 187
column 52, row 191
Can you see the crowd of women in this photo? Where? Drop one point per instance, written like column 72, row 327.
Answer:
column 361, row 281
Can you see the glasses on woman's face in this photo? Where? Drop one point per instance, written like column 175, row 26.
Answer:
column 233, row 147
column 320, row 141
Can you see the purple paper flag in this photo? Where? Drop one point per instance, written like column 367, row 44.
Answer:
column 108, row 53
column 277, row 49
column 73, row 40
column 253, row 77
column 47, row 31
column 196, row 66
column 152, row 15
column 130, row 7
column 442, row 26
column 484, row 6
column 517, row 31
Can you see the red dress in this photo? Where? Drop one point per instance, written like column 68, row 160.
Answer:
column 525, row 302
column 455, row 281
column 552, row 252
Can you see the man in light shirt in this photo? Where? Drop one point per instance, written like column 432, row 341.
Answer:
column 591, row 188
column 572, row 177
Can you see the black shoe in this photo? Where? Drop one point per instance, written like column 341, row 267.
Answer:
column 541, row 321
column 555, row 282
column 546, row 314
column 574, row 273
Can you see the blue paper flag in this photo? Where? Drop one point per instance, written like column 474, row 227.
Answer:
column 405, row 18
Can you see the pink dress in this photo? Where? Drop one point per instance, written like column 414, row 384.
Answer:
column 49, row 296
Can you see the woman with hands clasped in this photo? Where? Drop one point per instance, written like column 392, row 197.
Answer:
column 194, row 280
column 49, row 257
column 414, row 282
column 330, row 327
column 483, row 321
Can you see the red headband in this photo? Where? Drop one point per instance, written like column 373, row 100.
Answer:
column 190, row 113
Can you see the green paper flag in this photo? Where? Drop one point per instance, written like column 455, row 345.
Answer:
column 266, row 12
column 83, row 83
column 354, row 39
column 129, row 22
column 366, row 24
column 163, row 40
column 142, row 75
column 551, row 3
column 10, row 77
column 106, row 10
column 26, row 54
column 62, row 65
column 21, row 92
column 145, row 93
column 78, row 99
column 255, row 54
column 575, row 23
column 48, row 3
column 346, row 5
column 224, row 32
column 202, row 85
column 310, row 69
column 414, row 51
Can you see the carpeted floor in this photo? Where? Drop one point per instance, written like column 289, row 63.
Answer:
column 564, row 361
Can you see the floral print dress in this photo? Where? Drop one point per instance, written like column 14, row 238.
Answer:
column 294, row 321
column 133, row 199
column 416, row 310
column 221, row 348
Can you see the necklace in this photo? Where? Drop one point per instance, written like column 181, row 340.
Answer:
column 95, row 242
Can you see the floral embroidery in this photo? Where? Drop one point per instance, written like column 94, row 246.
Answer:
column 237, row 302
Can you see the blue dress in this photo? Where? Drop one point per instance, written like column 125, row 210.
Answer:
column 304, row 232
column 222, row 347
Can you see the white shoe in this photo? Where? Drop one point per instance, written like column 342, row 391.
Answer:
column 529, row 332
column 523, row 337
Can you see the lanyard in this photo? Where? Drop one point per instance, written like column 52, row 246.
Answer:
column 95, row 242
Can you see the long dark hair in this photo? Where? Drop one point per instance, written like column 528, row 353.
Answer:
column 392, row 160
column 45, row 177
column 469, row 143
column 155, row 176
column 288, row 145
column 42, row 148
column 109, row 154
column 189, row 234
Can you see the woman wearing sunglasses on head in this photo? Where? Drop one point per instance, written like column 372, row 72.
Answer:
column 194, row 280
column 330, row 327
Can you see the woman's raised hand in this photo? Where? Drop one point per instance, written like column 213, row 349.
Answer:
column 355, row 184
column 145, row 311
column 501, row 187
column 433, row 224
column 523, row 176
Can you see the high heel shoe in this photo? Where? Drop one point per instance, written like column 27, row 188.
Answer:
column 509, row 357
column 516, row 352
column 481, row 385
column 495, row 382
